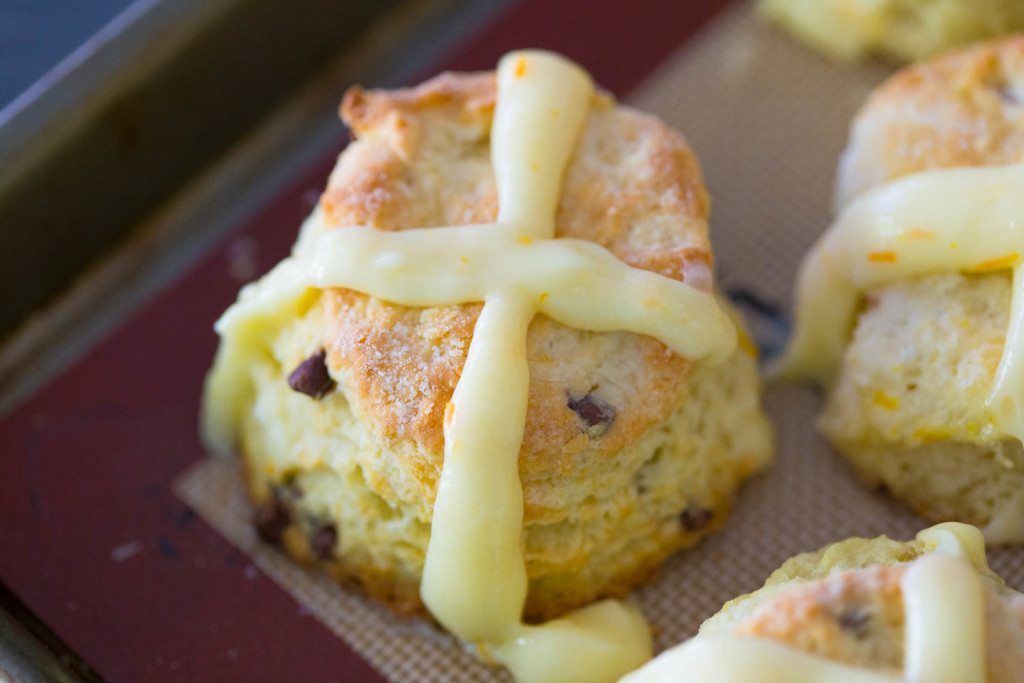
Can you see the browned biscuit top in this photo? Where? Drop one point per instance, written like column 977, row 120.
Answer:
column 964, row 108
column 858, row 617
column 421, row 158
column 854, row 617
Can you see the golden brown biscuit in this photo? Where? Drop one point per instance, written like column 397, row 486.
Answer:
column 908, row 403
column 846, row 604
column 899, row 29
column 630, row 452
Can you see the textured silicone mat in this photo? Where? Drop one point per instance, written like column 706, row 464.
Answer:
column 768, row 120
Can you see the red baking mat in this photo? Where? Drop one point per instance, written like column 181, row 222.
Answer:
column 92, row 538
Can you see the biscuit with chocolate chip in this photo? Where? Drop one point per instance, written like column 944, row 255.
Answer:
column 622, row 436
column 845, row 603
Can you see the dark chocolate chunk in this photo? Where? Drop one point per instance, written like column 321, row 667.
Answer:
column 696, row 518
column 1008, row 94
column 322, row 541
column 854, row 620
column 271, row 520
column 288, row 493
column 594, row 413
column 311, row 376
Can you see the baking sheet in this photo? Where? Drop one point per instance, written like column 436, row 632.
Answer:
column 768, row 119
column 95, row 542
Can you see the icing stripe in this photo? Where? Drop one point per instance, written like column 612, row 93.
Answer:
column 945, row 634
column 540, row 112
column 474, row 580
column 949, row 220
column 722, row 658
column 576, row 282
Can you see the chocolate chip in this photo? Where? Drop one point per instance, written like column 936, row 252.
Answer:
column 1008, row 94
column 311, row 377
column 322, row 541
column 854, row 620
column 287, row 493
column 271, row 520
column 696, row 518
column 595, row 414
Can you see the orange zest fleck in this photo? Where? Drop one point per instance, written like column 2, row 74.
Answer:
column 884, row 400
column 882, row 257
column 747, row 344
column 524, row 239
column 931, row 435
column 1000, row 263
column 919, row 234
column 520, row 67
column 543, row 297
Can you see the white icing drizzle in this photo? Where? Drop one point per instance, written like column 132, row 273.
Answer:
column 722, row 658
column 956, row 539
column 474, row 579
column 960, row 220
column 944, row 603
column 945, row 607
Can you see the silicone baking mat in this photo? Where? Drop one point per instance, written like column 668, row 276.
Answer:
column 96, row 537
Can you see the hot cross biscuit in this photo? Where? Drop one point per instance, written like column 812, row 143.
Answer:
column 499, row 326
column 924, row 368
column 864, row 611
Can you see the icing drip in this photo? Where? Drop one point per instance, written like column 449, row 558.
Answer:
column 962, row 220
column 945, row 607
column 945, row 631
column 474, row 579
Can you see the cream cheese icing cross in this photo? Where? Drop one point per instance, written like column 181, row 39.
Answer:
column 944, row 640
column 474, row 579
column 947, row 220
